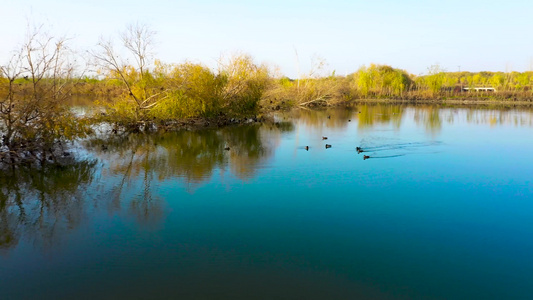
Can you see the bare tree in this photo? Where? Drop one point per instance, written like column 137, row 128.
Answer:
column 35, row 84
column 137, row 42
column 317, row 88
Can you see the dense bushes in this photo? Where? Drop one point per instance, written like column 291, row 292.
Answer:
column 381, row 80
column 189, row 90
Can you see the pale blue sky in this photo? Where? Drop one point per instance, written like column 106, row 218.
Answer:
column 412, row 35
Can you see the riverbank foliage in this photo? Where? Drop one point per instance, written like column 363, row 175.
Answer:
column 383, row 82
column 134, row 91
column 201, row 92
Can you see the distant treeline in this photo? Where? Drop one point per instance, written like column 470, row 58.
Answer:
column 386, row 82
column 200, row 92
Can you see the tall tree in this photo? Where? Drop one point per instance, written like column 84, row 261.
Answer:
column 130, row 65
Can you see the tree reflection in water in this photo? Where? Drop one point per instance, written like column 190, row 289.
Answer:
column 137, row 163
column 189, row 155
column 42, row 204
column 430, row 116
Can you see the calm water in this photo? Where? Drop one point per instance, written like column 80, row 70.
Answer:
column 441, row 209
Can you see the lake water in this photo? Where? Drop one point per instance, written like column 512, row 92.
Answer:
column 442, row 208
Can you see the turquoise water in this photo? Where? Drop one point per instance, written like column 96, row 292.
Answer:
column 441, row 209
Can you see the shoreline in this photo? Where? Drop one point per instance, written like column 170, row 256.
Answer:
column 266, row 115
column 465, row 102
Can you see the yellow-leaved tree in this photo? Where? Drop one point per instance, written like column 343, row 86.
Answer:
column 244, row 83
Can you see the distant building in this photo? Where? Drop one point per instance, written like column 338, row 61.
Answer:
column 479, row 89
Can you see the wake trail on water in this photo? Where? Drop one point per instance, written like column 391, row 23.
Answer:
column 397, row 146
column 391, row 150
column 386, row 156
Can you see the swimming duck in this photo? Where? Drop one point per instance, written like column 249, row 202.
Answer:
column 307, row 148
column 365, row 157
column 324, row 137
column 328, row 146
column 227, row 148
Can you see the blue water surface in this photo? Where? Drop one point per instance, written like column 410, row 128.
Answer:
column 442, row 208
